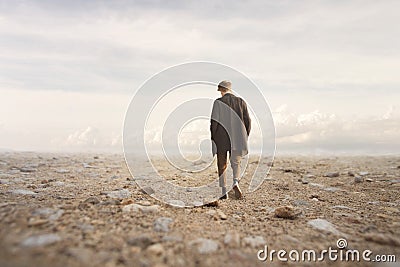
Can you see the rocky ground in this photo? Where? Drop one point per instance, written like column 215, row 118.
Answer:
column 86, row 210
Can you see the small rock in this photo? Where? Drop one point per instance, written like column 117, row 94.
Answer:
column 332, row 174
column 22, row 192
column 363, row 173
column 300, row 203
column 358, row 179
column 309, row 176
column 88, row 166
column 222, row 215
column 369, row 180
column 144, row 209
column 142, row 241
column 156, row 250
column 40, row 240
column 324, row 225
column 27, row 169
column 92, row 200
column 4, row 181
column 204, row 246
column 304, row 181
column 62, row 171
column 286, row 212
column 331, row 189
column 123, row 193
column 232, row 239
column 254, row 241
column 351, row 173
column 383, row 239
column 162, row 224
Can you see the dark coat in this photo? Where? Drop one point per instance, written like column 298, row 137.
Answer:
column 230, row 125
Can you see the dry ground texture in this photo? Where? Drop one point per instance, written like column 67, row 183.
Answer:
column 86, row 210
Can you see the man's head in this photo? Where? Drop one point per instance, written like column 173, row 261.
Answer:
column 224, row 87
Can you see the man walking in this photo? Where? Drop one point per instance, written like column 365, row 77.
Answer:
column 230, row 129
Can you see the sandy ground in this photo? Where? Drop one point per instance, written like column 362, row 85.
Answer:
column 86, row 210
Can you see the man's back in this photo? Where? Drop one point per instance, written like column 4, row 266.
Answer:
column 230, row 124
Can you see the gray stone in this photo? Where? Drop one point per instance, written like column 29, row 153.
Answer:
column 332, row 189
column 40, row 240
column 92, row 200
column 123, row 193
column 62, row 171
column 162, row 224
column 358, row 179
column 22, row 192
column 363, row 173
column 204, row 246
column 144, row 209
column 300, row 203
column 332, row 174
column 325, row 226
column 254, row 241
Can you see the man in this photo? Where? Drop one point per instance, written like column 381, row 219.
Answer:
column 230, row 129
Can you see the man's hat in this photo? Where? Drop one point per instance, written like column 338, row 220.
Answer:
column 224, row 86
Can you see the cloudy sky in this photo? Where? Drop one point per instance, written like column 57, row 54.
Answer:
column 329, row 69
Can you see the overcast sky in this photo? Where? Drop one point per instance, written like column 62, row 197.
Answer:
column 329, row 69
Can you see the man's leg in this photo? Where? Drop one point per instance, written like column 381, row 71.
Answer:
column 235, row 159
column 221, row 162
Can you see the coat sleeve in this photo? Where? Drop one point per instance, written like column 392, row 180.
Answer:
column 246, row 118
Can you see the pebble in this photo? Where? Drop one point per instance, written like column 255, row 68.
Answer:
column 331, row 189
column 27, row 169
column 162, row 224
column 254, row 241
column 144, row 209
column 300, row 203
column 22, row 192
column 204, row 246
column 358, row 179
column 324, row 225
column 363, row 173
column 286, row 212
column 40, row 240
column 62, row 171
column 369, row 180
column 92, row 200
column 123, row 193
column 4, row 181
column 332, row 174
column 156, row 250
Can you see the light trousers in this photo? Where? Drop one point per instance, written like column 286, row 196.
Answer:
column 222, row 160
